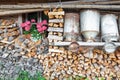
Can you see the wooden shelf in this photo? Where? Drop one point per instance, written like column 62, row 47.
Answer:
column 82, row 43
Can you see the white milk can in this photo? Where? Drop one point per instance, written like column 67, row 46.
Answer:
column 90, row 21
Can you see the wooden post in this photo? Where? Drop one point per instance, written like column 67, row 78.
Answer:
column 19, row 22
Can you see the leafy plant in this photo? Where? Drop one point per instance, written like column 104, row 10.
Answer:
column 24, row 75
column 38, row 76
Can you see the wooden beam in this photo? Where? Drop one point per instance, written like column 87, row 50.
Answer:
column 76, row 6
column 11, row 12
column 103, row 2
column 82, row 43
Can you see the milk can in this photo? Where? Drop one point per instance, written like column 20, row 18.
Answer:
column 110, row 32
column 71, row 27
column 109, row 28
column 90, row 21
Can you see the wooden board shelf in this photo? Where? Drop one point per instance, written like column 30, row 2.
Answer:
column 82, row 43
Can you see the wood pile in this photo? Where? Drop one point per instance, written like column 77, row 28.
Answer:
column 9, row 30
column 91, row 64
column 32, row 49
column 56, row 24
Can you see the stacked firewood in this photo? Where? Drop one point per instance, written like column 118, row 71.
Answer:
column 91, row 64
column 31, row 48
column 9, row 30
column 56, row 24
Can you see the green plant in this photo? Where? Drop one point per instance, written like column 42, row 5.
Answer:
column 24, row 75
column 38, row 76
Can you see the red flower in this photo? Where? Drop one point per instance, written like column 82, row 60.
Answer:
column 27, row 28
column 23, row 25
column 28, row 22
column 44, row 27
column 44, row 22
column 39, row 25
column 40, row 30
column 33, row 20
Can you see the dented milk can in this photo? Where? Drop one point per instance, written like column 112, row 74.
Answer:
column 71, row 27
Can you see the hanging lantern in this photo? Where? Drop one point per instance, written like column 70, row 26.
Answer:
column 90, row 20
column 71, row 27
column 109, row 28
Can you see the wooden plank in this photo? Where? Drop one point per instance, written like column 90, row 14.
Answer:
column 11, row 12
column 44, row 6
column 55, row 37
column 56, row 20
column 56, row 13
column 55, row 29
column 83, row 43
column 103, row 2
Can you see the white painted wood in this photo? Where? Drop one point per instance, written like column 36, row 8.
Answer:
column 39, row 16
column 55, row 37
column 56, row 20
column 55, row 29
column 20, row 20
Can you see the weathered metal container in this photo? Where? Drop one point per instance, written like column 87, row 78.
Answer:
column 71, row 26
column 90, row 21
column 109, row 28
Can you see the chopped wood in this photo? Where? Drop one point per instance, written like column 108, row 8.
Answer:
column 56, row 13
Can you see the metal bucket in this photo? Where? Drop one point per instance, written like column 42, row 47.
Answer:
column 71, row 27
column 90, row 20
column 109, row 28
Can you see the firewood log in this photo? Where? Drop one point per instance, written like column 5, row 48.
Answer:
column 55, row 25
column 51, row 16
column 55, row 10
column 60, row 16
column 60, row 9
column 61, row 25
column 57, row 16
column 50, row 24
